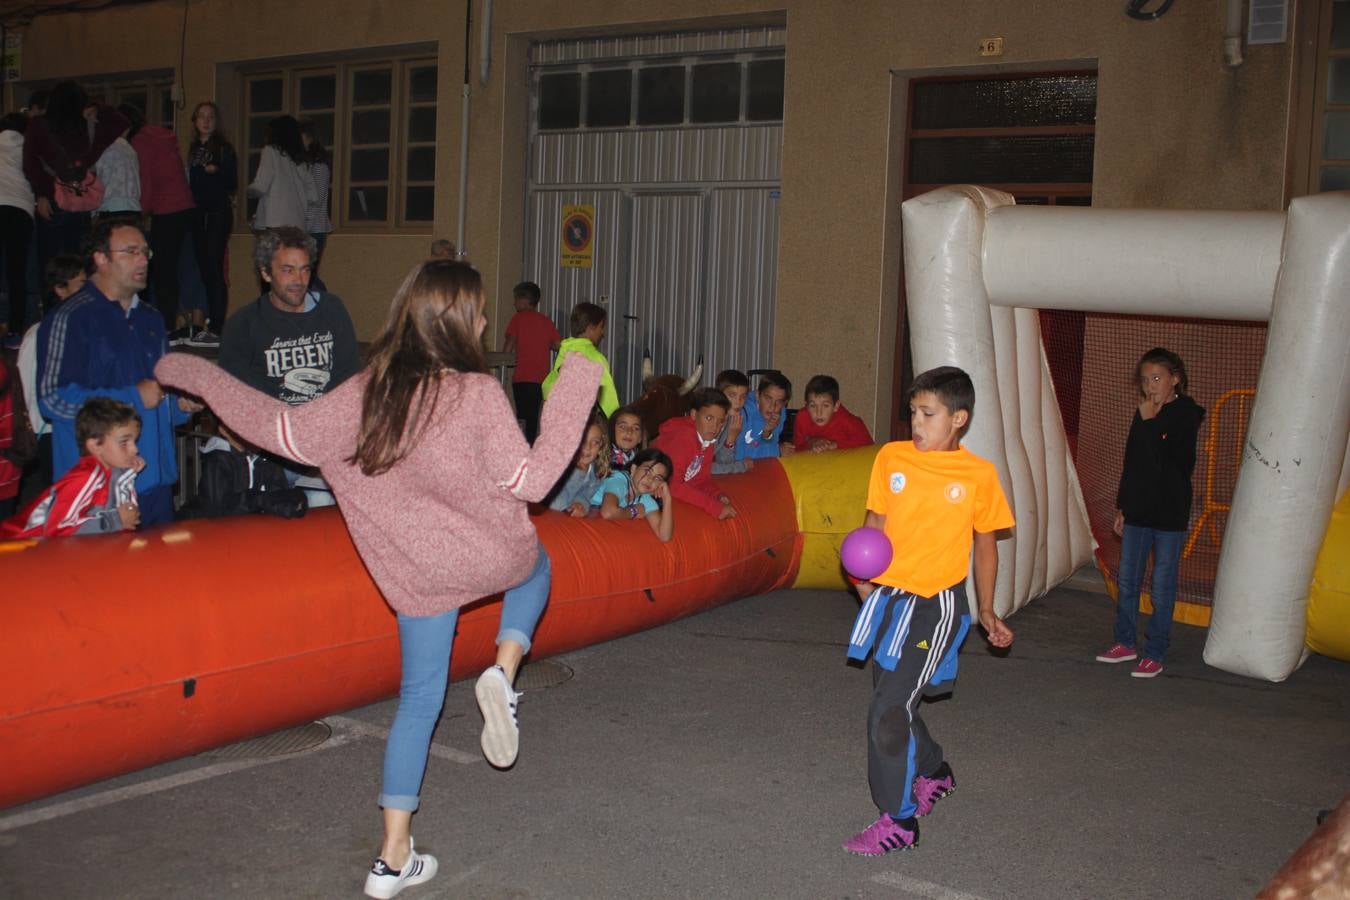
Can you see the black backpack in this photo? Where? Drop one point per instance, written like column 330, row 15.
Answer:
column 225, row 488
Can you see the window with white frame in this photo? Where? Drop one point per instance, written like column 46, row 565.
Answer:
column 376, row 118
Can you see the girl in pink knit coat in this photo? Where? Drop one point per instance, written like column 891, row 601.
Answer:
column 432, row 476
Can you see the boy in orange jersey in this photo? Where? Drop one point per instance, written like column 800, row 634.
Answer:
column 934, row 499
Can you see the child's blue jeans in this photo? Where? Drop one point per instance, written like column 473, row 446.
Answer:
column 425, row 643
column 1135, row 545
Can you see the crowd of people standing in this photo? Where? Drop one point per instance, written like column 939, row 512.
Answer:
column 68, row 161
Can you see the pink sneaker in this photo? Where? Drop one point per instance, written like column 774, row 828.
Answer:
column 1117, row 654
column 1147, row 668
column 929, row 789
column 883, row 836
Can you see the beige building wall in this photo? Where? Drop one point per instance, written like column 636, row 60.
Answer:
column 1175, row 128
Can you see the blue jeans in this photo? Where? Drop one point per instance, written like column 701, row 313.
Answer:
column 425, row 642
column 1135, row 545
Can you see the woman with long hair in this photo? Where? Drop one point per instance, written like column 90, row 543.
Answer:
column 317, row 220
column 213, row 171
column 63, row 145
column 433, row 476
column 282, row 188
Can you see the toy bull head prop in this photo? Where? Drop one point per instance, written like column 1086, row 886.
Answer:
column 665, row 397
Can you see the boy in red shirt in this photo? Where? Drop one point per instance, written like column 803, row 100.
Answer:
column 690, row 442
column 98, row 494
column 530, row 335
column 824, row 423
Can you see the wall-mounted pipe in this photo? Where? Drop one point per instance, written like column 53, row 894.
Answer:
column 1232, row 34
column 485, row 45
column 464, row 134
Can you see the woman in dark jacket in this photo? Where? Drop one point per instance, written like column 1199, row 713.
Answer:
column 65, row 143
column 213, row 170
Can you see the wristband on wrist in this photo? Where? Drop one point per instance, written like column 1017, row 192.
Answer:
column 633, row 511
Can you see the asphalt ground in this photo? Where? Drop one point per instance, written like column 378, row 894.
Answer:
column 724, row 755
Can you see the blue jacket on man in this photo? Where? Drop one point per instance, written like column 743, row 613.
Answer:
column 89, row 347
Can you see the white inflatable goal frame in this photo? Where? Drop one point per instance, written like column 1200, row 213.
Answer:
column 977, row 267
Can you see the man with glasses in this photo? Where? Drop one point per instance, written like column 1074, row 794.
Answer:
column 104, row 342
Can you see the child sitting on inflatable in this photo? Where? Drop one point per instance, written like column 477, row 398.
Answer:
column 690, row 441
column 761, row 431
column 589, row 467
column 625, row 437
column 98, row 494
column 643, row 490
column 825, row 423
column 736, row 385
column 432, row 476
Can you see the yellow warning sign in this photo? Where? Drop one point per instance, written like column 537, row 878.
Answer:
column 578, row 236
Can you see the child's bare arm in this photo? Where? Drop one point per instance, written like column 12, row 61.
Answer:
column 663, row 520
column 986, row 571
column 610, row 509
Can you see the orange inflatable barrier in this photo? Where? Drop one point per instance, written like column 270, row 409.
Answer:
column 125, row 651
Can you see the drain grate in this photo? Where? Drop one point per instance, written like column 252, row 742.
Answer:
column 278, row 743
column 545, row 673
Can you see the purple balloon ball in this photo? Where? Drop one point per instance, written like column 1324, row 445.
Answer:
column 865, row 553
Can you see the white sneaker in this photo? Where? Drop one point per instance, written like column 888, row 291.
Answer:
column 384, row 882
column 501, row 732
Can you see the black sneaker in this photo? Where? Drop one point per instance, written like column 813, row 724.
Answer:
column 208, row 339
column 180, row 336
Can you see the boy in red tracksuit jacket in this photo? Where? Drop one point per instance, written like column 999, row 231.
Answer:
column 690, row 442
column 98, row 494
column 824, row 423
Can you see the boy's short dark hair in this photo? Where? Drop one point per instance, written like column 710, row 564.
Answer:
column 60, row 270
column 731, row 378
column 529, row 290
column 822, row 384
column 706, row 396
column 774, row 379
column 952, row 387
column 99, row 416
column 584, row 315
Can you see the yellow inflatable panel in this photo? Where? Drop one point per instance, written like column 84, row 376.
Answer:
column 830, row 492
column 1329, row 594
